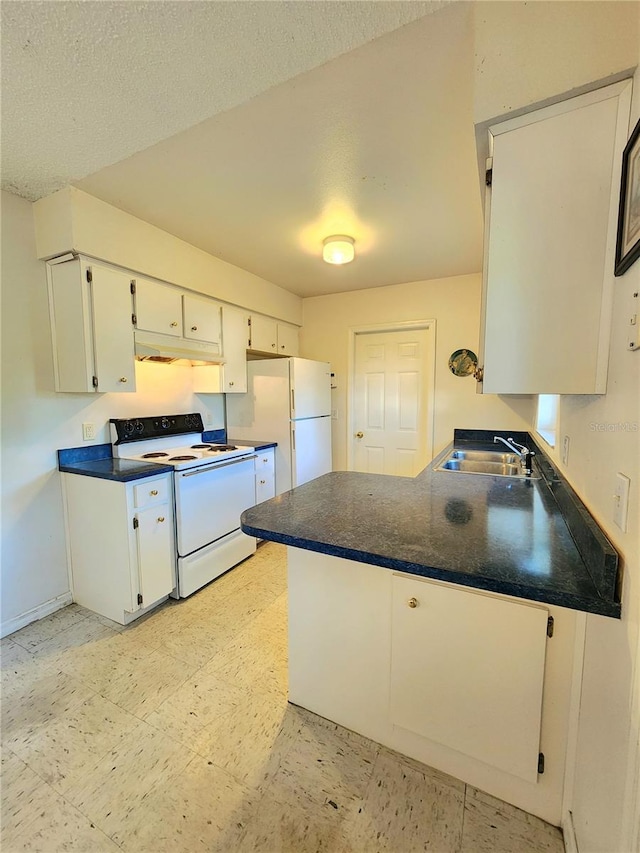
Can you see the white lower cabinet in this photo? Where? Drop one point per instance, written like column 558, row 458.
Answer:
column 265, row 475
column 467, row 672
column 121, row 543
column 464, row 681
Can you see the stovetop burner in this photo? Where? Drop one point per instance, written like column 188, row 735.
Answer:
column 156, row 455
column 221, row 448
column 181, row 458
column 201, row 447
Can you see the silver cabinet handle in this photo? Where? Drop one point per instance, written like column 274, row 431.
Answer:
column 262, row 482
column 281, row 346
column 273, row 345
column 123, row 379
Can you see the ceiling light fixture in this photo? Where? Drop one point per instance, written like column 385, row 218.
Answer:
column 338, row 249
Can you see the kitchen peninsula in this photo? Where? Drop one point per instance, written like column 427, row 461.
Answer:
column 440, row 615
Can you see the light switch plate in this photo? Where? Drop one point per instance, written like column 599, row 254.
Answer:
column 634, row 322
column 565, row 450
column 88, row 432
column 621, row 501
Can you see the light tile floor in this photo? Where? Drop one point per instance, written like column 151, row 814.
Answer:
column 174, row 734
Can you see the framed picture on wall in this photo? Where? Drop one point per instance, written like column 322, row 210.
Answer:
column 628, row 242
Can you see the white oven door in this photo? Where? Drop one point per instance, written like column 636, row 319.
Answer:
column 210, row 500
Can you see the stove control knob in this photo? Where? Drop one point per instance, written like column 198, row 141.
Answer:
column 139, row 426
column 164, row 423
column 128, row 427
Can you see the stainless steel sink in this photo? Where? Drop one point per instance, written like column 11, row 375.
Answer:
column 485, row 462
column 485, row 456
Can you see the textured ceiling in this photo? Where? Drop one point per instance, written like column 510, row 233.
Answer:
column 86, row 84
column 255, row 129
column 377, row 144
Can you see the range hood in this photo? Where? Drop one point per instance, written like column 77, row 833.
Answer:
column 168, row 349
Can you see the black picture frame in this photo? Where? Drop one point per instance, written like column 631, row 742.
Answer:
column 628, row 240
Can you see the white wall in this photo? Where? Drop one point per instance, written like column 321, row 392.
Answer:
column 526, row 53
column 604, row 433
column 74, row 220
column 36, row 421
column 454, row 303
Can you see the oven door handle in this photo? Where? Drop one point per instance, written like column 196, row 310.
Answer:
column 216, row 466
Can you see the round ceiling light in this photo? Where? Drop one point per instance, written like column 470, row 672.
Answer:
column 338, row 249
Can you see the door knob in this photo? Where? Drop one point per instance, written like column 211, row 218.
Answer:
column 413, row 602
column 359, row 435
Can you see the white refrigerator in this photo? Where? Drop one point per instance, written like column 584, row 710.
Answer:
column 289, row 401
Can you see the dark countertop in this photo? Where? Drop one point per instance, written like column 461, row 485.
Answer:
column 532, row 539
column 122, row 470
column 95, row 460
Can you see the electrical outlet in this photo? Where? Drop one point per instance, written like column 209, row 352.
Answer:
column 565, row 450
column 88, row 432
column 621, row 501
column 208, row 418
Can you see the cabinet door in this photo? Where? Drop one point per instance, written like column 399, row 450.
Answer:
column 158, row 307
column 156, row 554
column 264, row 334
column 467, row 672
column 112, row 329
column 265, row 475
column 287, row 339
column 234, row 347
column 552, row 211
column 201, row 319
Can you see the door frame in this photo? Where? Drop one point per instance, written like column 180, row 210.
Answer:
column 430, row 373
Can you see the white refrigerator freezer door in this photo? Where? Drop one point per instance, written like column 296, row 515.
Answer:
column 311, row 449
column 310, row 388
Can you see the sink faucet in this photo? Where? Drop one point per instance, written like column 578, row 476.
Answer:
column 525, row 455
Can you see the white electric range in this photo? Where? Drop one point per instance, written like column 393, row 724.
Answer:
column 213, row 485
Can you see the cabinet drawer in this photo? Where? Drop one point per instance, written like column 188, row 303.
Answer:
column 150, row 491
column 265, row 462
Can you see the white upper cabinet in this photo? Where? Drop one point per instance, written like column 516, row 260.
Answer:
column 201, row 319
column 551, row 217
column 92, row 331
column 230, row 377
column 269, row 336
column 287, row 339
column 235, row 325
column 158, row 307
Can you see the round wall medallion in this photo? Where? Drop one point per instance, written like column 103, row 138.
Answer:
column 463, row 362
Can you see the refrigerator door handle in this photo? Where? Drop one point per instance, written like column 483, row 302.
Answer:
column 293, row 402
column 293, row 439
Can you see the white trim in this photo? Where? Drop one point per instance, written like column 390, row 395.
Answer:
column 430, row 372
column 569, row 834
column 580, row 637
column 563, row 106
column 35, row 613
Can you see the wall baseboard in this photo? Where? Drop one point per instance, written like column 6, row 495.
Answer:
column 35, row 613
column 569, row 834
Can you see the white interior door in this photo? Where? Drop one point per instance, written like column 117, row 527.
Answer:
column 392, row 384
